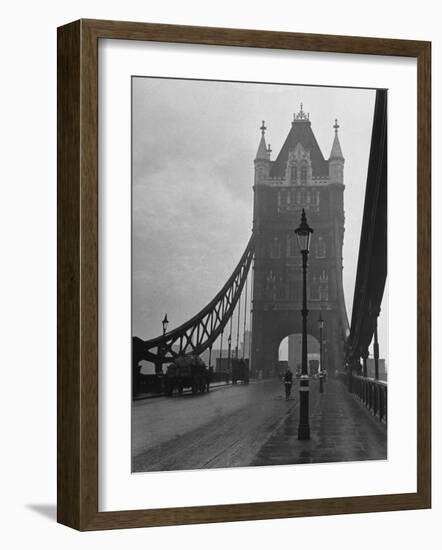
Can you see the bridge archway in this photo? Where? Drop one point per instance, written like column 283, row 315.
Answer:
column 290, row 352
column 272, row 327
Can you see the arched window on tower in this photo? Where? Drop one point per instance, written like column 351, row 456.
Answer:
column 320, row 247
column 275, row 248
column 294, row 287
column 323, row 290
column 270, row 285
column 280, row 288
column 314, row 291
column 315, row 200
column 291, row 196
column 303, row 174
column 294, row 175
column 292, row 246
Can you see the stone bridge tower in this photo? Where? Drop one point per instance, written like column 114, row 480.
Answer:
column 298, row 178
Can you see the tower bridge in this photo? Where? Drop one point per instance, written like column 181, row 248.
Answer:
column 299, row 178
column 263, row 295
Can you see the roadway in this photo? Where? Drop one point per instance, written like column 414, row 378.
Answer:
column 223, row 428
column 251, row 425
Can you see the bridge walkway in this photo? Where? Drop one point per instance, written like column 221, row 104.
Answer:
column 341, row 430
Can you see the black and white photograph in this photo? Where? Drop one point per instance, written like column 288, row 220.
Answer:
column 220, row 256
column 259, row 305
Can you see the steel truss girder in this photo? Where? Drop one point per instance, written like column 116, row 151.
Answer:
column 201, row 331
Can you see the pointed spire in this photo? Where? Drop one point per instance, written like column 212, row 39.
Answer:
column 263, row 153
column 336, row 152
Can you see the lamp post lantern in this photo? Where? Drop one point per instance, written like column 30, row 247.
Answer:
column 303, row 234
column 321, row 370
column 165, row 322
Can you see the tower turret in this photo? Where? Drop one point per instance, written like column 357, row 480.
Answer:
column 336, row 160
column 262, row 159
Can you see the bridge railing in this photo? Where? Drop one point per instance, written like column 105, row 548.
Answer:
column 372, row 393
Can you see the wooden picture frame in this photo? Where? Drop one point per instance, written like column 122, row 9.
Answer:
column 77, row 460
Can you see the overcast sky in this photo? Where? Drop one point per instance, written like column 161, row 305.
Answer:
column 193, row 148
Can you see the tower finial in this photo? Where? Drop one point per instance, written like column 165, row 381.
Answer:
column 263, row 128
column 301, row 115
column 336, row 152
column 262, row 153
column 269, row 149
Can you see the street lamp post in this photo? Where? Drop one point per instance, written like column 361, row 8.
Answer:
column 321, row 371
column 229, row 340
column 303, row 233
column 164, row 322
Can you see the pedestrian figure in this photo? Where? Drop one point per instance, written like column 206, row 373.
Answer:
column 288, row 381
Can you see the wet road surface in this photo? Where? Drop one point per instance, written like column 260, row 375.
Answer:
column 252, row 425
column 223, row 428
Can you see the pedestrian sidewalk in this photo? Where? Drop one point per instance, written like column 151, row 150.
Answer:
column 341, row 430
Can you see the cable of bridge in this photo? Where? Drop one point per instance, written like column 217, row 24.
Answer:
column 251, row 313
column 229, row 351
column 245, row 320
column 238, row 322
